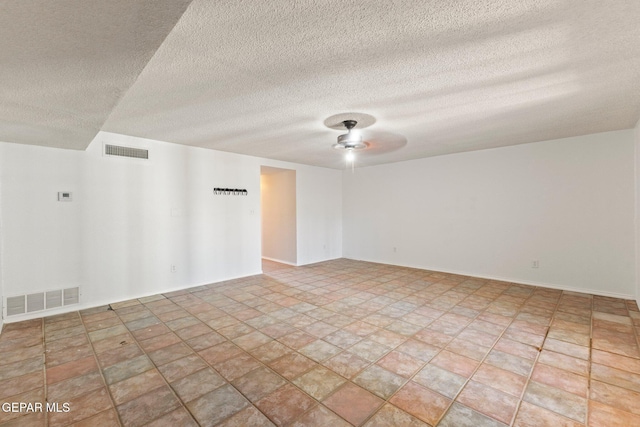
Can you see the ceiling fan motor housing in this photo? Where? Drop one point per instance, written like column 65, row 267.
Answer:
column 349, row 124
column 350, row 140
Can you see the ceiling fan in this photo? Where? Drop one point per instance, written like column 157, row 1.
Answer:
column 372, row 142
column 350, row 140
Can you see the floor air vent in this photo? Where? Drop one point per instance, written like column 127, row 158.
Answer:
column 117, row 150
column 40, row 301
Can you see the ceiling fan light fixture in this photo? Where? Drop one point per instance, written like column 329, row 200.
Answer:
column 352, row 140
column 351, row 146
column 350, row 156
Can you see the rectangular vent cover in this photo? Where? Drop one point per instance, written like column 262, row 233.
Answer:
column 54, row 299
column 117, row 150
column 15, row 305
column 71, row 296
column 40, row 301
column 35, row 302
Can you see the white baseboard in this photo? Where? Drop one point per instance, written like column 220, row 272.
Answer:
column 279, row 261
column 518, row 281
column 300, row 264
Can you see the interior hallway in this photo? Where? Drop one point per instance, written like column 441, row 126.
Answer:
column 333, row 344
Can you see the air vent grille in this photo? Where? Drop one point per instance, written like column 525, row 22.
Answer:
column 15, row 305
column 40, row 301
column 71, row 296
column 54, row 299
column 35, row 302
column 117, row 150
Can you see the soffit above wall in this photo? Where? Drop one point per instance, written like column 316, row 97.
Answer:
column 259, row 78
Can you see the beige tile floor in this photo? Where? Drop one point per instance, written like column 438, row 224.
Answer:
column 333, row 344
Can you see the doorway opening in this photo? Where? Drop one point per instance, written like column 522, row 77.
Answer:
column 278, row 215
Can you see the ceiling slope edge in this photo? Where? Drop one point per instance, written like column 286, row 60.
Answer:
column 69, row 64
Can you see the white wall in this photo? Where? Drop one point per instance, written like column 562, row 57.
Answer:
column 567, row 203
column 319, row 214
column 40, row 236
column 131, row 220
column 278, row 211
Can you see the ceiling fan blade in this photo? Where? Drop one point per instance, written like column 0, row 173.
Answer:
column 380, row 142
column 337, row 120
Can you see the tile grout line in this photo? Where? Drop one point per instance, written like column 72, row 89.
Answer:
column 424, row 365
column 207, row 363
column 557, row 304
column 211, row 366
column 347, row 380
column 370, row 363
column 434, row 356
column 454, row 399
column 231, row 342
column 100, row 370
column 374, row 362
column 182, row 403
column 535, row 362
column 319, row 363
column 287, row 381
column 44, row 369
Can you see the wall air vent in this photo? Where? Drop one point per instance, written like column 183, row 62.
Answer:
column 35, row 302
column 23, row 304
column 117, row 150
column 15, row 305
column 54, row 299
column 71, row 296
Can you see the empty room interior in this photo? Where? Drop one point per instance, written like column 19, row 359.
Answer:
column 320, row 213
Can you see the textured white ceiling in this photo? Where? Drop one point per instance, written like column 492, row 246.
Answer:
column 64, row 64
column 260, row 78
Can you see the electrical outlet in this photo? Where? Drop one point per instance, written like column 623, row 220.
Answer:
column 395, row 249
column 535, row 264
column 173, row 268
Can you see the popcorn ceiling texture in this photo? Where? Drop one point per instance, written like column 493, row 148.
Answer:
column 64, row 64
column 260, row 78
